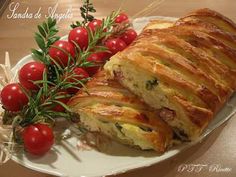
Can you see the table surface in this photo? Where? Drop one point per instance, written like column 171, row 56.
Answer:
column 16, row 37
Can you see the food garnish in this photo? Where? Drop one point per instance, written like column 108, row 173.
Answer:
column 61, row 68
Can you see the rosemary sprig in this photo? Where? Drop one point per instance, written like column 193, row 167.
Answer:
column 85, row 10
column 49, row 95
column 40, row 106
column 57, row 80
column 52, row 90
column 96, row 38
column 45, row 37
column 119, row 29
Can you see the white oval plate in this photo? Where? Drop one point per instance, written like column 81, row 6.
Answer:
column 68, row 161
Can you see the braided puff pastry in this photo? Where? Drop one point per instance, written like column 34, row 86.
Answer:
column 186, row 71
column 106, row 107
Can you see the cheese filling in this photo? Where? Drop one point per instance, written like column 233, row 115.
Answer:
column 126, row 133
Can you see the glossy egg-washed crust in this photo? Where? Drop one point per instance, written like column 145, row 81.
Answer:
column 106, row 100
column 195, row 57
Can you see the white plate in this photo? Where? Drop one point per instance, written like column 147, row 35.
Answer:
column 67, row 160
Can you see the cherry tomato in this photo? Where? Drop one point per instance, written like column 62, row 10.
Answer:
column 79, row 36
column 60, row 51
column 30, row 72
column 97, row 59
column 79, row 74
column 115, row 45
column 93, row 25
column 122, row 17
column 38, row 138
column 129, row 36
column 58, row 107
column 13, row 98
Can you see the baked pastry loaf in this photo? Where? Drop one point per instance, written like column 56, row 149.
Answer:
column 186, row 72
column 107, row 107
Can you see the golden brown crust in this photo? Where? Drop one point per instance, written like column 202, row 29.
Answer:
column 195, row 59
column 212, row 35
column 174, row 38
column 209, row 28
column 208, row 43
column 106, row 100
column 184, row 87
column 198, row 116
column 214, row 17
column 104, row 90
column 188, row 70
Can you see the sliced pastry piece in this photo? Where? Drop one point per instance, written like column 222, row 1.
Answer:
column 186, row 75
column 107, row 107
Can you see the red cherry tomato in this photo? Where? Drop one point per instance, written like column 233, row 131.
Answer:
column 115, row 45
column 93, row 25
column 38, row 138
column 79, row 36
column 97, row 59
column 58, row 107
column 79, row 74
column 122, row 17
column 13, row 98
column 129, row 36
column 104, row 55
column 30, row 72
column 60, row 51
